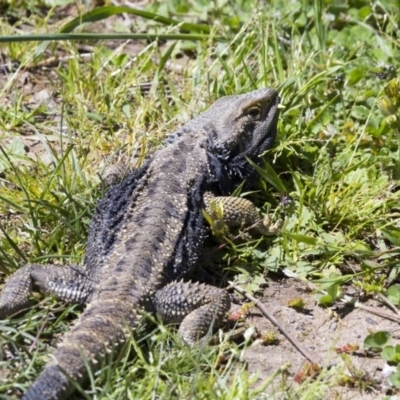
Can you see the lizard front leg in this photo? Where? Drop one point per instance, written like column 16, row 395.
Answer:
column 239, row 212
column 69, row 284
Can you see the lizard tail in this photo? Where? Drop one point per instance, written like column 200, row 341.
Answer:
column 101, row 329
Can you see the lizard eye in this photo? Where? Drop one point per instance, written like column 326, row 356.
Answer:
column 254, row 112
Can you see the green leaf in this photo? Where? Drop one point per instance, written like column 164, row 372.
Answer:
column 391, row 354
column 302, row 238
column 395, row 378
column 333, row 279
column 360, row 112
column 13, row 151
column 166, row 56
column 388, row 353
column 376, row 341
column 325, row 300
column 207, row 217
column 364, row 12
column 393, row 294
column 268, row 174
column 393, row 235
column 355, row 75
column 333, row 292
column 254, row 284
column 126, row 109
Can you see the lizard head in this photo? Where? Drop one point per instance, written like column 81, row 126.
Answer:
column 240, row 127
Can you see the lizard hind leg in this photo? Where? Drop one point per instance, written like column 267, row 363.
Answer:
column 70, row 284
column 196, row 307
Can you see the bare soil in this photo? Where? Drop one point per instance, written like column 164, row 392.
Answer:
column 324, row 333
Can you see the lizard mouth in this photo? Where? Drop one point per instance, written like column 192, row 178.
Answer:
column 265, row 134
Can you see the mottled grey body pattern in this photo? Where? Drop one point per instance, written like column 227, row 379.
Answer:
column 146, row 234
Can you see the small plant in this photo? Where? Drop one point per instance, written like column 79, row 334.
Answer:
column 348, row 348
column 268, row 338
column 356, row 377
column 378, row 341
column 308, row 371
column 215, row 219
column 391, row 354
column 241, row 313
column 298, row 304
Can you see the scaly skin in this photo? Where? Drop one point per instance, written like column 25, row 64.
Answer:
column 145, row 235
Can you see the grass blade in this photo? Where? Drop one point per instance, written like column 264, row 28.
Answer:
column 101, row 13
column 106, row 36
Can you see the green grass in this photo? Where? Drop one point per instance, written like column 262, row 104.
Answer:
column 337, row 157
